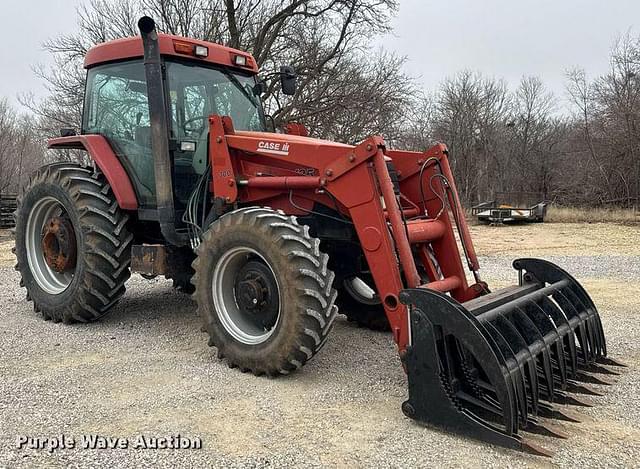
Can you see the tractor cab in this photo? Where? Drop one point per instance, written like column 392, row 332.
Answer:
column 198, row 79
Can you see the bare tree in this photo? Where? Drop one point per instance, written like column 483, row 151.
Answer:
column 325, row 40
column 471, row 112
column 535, row 137
column 21, row 150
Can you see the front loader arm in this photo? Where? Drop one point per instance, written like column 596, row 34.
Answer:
column 404, row 247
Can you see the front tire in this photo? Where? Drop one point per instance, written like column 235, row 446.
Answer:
column 264, row 291
column 359, row 302
column 72, row 243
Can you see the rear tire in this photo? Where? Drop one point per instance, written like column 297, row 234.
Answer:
column 86, row 287
column 264, row 291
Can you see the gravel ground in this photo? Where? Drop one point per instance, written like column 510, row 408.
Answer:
column 146, row 369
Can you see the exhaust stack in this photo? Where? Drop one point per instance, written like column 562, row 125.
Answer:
column 159, row 133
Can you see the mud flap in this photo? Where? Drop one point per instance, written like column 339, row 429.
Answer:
column 482, row 368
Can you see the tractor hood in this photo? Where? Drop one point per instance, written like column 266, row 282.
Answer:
column 284, row 144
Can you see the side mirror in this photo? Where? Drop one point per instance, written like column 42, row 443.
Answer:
column 67, row 132
column 288, row 80
column 271, row 123
column 259, row 88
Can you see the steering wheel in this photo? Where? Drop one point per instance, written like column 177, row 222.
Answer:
column 189, row 129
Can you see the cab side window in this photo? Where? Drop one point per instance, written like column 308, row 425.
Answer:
column 117, row 107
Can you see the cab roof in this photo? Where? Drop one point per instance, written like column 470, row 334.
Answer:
column 175, row 46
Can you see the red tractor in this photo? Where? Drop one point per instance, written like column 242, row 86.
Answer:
column 271, row 231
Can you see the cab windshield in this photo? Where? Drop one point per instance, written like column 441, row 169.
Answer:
column 196, row 92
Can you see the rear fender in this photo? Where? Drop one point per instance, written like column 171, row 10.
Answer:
column 104, row 157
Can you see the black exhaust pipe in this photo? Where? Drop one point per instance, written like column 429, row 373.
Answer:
column 159, row 133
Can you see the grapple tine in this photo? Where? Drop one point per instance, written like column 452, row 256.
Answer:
column 545, row 429
column 600, row 369
column 548, row 374
column 594, row 323
column 561, row 363
column 534, row 340
column 531, row 318
column 515, row 369
column 582, row 389
column 574, row 317
column 534, row 449
column 563, row 398
column 595, row 336
column 552, row 412
column 602, row 337
column 570, row 342
column 589, row 378
column 611, row 362
column 564, row 330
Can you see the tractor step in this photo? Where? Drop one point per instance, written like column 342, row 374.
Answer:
column 489, row 368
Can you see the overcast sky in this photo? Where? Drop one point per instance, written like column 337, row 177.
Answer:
column 502, row 38
column 510, row 38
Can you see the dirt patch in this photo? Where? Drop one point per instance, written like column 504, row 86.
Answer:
column 7, row 259
column 557, row 239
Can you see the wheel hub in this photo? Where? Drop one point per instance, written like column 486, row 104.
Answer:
column 246, row 295
column 59, row 244
column 256, row 294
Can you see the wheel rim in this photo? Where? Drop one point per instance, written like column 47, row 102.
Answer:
column 46, row 212
column 361, row 291
column 246, row 295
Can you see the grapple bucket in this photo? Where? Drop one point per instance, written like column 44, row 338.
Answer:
column 495, row 365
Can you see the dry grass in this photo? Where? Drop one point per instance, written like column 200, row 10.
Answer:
column 557, row 214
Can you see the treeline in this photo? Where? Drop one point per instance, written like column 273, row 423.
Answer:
column 501, row 138
column 21, row 148
column 583, row 150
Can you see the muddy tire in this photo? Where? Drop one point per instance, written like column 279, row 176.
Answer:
column 264, row 291
column 72, row 243
column 363, row 310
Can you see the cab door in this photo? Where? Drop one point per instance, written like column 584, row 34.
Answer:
column 116, row 106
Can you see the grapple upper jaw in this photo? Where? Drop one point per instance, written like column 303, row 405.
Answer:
column 481, row 368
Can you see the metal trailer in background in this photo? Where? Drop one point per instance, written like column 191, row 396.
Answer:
column 512, row 207
column 7, row 207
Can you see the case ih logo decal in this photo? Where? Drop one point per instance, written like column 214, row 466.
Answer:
column 273, row 147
